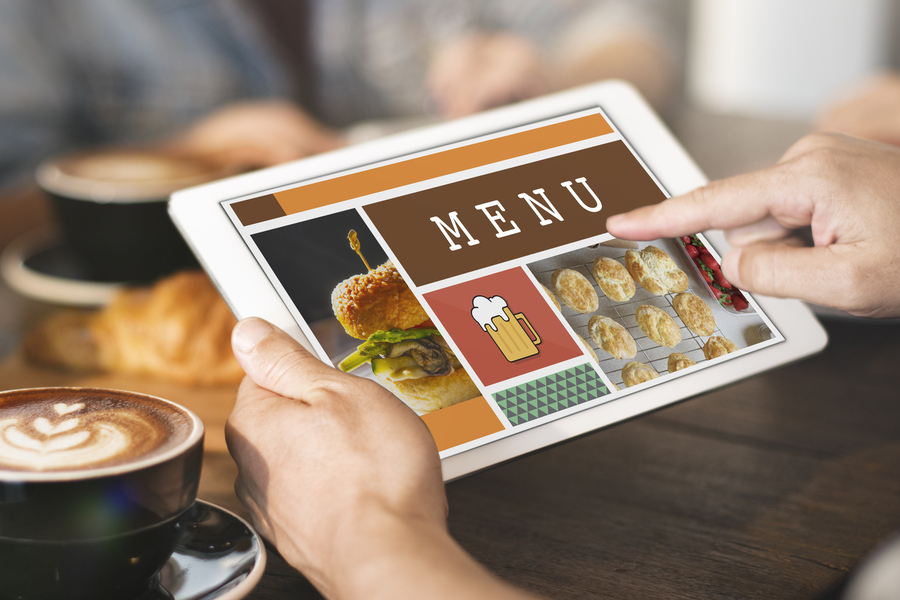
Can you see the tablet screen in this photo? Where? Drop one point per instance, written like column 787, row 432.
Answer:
column 478, row 283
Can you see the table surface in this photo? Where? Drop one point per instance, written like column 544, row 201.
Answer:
column 775, row 487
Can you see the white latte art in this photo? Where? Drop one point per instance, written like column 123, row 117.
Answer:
column 77, row 439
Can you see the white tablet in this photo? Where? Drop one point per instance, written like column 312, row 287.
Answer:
column 467, row 268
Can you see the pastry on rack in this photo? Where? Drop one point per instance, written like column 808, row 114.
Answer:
column 655, row 271
column 588, row 348
column 717, row 346
column 613, row 279
column 575, row 291
column 551, row 296
column 658, row 325
column 612, row 337
column 678, row 361
column 178, row 330
column 695, row 313
column 635, row 373
column 593, row 355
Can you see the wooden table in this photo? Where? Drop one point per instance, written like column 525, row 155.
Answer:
column 772, row 488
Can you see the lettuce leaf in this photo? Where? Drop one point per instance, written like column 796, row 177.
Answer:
column 380, row 342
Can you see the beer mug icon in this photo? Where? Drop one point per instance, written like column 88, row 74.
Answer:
column 505, row 328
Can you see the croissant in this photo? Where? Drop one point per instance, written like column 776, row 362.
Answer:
column 178, row 330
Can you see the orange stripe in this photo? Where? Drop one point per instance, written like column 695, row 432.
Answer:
column 430, row 166
column 461, row 423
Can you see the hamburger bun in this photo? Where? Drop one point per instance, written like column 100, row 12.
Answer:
column 376, row 301
column 429, row 394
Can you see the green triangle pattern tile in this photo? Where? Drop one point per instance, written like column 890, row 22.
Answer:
column 550, row 394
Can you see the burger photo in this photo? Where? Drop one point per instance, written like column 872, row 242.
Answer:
column 406, row 353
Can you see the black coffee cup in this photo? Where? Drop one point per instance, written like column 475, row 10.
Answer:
column 111, row 207
column 95, row 490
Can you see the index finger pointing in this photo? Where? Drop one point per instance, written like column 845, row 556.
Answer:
column 723, row 204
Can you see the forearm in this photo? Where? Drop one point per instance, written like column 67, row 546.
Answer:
column 408, row 560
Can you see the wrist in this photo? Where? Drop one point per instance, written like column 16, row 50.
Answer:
column 377, row 545
column 389, row 555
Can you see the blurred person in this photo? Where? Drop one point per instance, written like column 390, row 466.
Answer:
column 379, row 504
column 251, row 83
column 449, row 58
column 84, row 73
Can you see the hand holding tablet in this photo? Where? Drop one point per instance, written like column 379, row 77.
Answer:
column 853, row 196
column 490, row 208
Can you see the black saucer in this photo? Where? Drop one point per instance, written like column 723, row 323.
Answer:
column 219, row 557
column 38, row 265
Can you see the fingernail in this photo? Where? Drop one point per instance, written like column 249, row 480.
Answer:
column 248, row 332
column 730, row 267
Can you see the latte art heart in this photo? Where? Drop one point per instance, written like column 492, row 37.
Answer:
column 45, row 427
column 62, row 408
column 60, row 436
column 100, row 443
column 24, row 443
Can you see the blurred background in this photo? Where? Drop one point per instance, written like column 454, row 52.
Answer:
column 235, row 85
column 781, row 483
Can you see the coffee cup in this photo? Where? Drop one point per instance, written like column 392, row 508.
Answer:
column 111, row 205
column 95, row 491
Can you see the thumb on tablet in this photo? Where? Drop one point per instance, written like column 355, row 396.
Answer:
column 275, row 361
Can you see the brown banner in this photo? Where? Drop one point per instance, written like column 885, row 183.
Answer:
column 347, row 187
column 257, row 210
column 479, row 222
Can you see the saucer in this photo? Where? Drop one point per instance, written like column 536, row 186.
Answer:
column 219, row 557
column 38, row 265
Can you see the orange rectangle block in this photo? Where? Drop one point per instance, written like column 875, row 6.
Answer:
column 461, row 423
column 414, row 170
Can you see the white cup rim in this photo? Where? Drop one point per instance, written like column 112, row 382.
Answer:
column 52, row 178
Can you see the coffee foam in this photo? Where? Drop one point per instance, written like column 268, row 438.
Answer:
column 85, row 431
column 132, row 167
column 485, row 310
column 123, row 175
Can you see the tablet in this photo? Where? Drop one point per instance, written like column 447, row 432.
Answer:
column 467, row 267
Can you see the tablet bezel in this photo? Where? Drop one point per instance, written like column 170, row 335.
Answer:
column 203, row 222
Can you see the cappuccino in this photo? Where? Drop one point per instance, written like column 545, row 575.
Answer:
column 123, row 174
column 95, row 490
column 86, row 431
column 111, row 208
